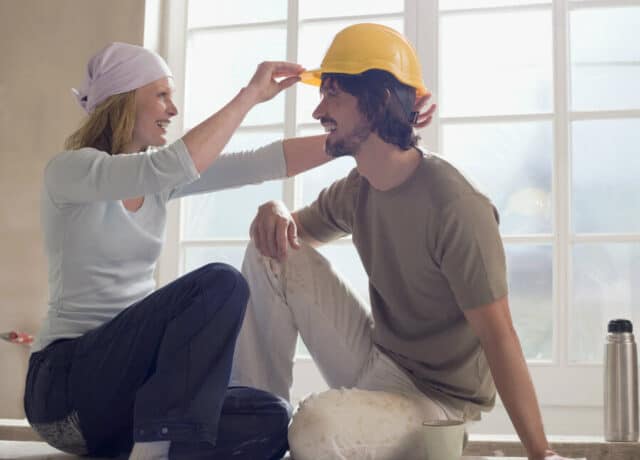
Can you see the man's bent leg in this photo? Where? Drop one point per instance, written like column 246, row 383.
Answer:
column 383, row 374
column 357, row 425
column 303, row 294
column 381, row 418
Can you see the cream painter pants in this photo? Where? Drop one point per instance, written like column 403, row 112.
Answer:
column 305, row 295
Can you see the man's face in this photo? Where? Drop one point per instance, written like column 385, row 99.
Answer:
column 339, row 115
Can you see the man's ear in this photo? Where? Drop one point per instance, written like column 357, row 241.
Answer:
column 386, row 96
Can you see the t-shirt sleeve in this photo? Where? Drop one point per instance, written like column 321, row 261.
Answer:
column 236, row 169
column 470, row 252
column 86, row 175
column 330, row 216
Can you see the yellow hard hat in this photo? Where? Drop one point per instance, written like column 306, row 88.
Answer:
column 363, row 47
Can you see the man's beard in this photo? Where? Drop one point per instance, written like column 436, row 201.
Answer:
column 350, row 144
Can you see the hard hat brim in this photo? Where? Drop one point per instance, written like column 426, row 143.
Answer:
column 314, row 78
column 311, row 77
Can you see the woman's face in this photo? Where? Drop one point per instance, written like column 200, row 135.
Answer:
column 154, row 111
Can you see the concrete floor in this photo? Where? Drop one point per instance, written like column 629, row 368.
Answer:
column 22, row 450
column 31, row 450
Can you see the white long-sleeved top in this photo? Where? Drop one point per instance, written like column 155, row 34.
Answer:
column 101, row 256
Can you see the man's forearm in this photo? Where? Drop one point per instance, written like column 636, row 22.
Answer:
column 511, row 375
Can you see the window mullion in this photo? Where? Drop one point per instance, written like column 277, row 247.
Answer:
column 238, row 26
column 291, row 186
column 561, row 181
column 604, row 114
column 606, row 238
column 585, row 4
column 496, row 9
column 526, row 117
column 173, row 46
column 427, row 42
column 352, row 18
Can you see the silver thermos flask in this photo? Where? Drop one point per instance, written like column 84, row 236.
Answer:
column 621, row 383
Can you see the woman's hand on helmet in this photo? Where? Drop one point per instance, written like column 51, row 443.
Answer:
column 424, row 118
column 272, row 77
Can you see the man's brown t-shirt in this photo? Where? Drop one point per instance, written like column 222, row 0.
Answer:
column 431, row 248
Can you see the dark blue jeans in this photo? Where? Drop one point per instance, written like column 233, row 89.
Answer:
column 158, row 371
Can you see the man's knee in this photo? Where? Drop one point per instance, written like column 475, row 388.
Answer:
column 355, row 424
column 251, row 253
column 299, row 258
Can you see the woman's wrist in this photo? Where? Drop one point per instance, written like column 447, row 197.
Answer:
column 250, row 94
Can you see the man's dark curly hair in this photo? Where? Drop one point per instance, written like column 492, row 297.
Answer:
column 384, row 101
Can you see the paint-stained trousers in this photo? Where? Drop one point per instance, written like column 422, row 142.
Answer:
column 306, row 296
column 158, row 371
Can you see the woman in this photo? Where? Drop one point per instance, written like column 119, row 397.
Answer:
column 118, row 366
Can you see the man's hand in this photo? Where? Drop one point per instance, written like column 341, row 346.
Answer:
column 424, row 118
column 551, row 455
column 273, row 230
column 264, row 84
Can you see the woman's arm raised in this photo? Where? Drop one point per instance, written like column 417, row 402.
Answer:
column 206, row 140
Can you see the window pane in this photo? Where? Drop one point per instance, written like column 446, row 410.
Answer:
column 220, row 63
column 310, row 9
column 530, row 297
column 195, row 257
column 301, row 349
column 472, row 4
column 315, row 39
column 512, row 164
column 605, row 287
column 313, row 181
column 606, row 168
column 204, row 13
column 504, row 69
column 605, row 55
column 228, row 213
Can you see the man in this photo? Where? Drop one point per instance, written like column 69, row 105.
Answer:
column 440, row 333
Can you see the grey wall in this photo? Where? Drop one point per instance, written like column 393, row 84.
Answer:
column 44, row 46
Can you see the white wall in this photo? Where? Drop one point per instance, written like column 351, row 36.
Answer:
column 44, row 46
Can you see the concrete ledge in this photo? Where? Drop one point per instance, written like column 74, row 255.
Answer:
column 17, row 430
column 590, row 447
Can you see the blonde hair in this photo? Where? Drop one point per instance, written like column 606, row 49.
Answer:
column 109, row 127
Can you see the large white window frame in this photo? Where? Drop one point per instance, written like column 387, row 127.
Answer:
column 565, row 390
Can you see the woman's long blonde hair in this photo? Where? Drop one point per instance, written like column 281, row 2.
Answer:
column 109, row 127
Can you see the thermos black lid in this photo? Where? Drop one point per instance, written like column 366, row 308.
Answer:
column 620, row 325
